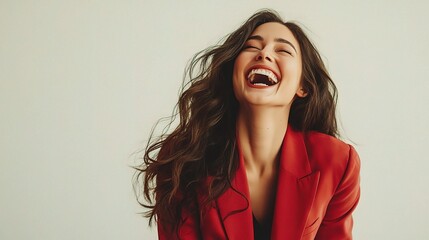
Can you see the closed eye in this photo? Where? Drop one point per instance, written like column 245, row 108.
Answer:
column 285, row 51
column 251, row 47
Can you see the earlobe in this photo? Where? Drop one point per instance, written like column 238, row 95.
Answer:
column 301, row 93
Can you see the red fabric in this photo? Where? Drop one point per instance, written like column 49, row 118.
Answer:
column 317, row 191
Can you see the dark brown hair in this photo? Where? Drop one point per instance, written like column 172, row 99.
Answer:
column 203, row 146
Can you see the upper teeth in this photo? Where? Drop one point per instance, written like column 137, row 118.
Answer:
column 265, row 72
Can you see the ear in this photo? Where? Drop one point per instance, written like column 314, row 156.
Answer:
column 301, row 93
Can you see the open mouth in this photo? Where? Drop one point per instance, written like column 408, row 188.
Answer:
column 262, row 77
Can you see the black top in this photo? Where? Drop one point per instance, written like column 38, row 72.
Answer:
column 261, row 232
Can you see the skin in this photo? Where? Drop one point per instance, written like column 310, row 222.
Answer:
column 264, row 111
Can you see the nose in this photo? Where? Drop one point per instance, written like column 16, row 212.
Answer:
column 263, row 54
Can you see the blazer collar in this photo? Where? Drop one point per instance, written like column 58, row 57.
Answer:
column 296, row 190
column 293, row 154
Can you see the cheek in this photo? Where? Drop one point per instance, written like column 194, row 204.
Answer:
column 237, row 85
column 238, row 69
column 292, row 71
column 238, row 63
column 237, row 76
column 290, row 66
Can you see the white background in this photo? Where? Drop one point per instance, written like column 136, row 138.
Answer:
column 83, row 82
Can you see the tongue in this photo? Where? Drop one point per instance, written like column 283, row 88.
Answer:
column 259, row 79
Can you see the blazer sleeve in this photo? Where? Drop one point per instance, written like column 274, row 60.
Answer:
column 188, row 230
column 338, row 222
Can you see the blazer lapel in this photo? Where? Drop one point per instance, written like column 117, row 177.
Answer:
column 296, row 188
column 234, row 206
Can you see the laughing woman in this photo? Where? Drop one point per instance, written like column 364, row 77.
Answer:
column 255, row 154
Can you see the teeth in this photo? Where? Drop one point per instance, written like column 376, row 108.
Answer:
column 265, row 72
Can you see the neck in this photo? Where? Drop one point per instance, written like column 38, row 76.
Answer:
column 261, row 131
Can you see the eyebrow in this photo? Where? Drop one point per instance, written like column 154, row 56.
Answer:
column 280, row 40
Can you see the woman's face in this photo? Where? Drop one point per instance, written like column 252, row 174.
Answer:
column 267, row 71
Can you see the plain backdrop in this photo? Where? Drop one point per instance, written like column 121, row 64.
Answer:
column 83, row 82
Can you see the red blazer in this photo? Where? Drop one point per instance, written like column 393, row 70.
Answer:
column 317, row 191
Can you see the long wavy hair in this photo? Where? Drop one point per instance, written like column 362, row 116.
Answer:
column 202, row 148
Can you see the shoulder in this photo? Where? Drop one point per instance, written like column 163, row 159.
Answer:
column 329, row 154
column 325, row 144
column 338, row 190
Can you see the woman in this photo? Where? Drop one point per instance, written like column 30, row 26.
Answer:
column 255, row 154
